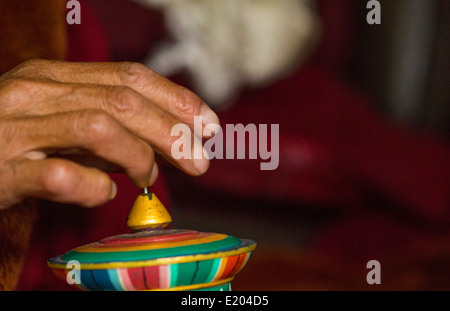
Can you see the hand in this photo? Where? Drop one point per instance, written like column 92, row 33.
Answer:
column 63, row 125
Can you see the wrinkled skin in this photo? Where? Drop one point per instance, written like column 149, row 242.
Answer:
column 64, row 125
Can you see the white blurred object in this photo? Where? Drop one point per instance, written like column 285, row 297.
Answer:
column 227, row 44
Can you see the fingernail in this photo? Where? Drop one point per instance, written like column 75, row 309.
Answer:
column 210, row 118
column 201, row 157
column 154, row 175
column 201, row 165
column 113, row 192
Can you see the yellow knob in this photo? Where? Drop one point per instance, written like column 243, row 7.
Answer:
column 148, row 213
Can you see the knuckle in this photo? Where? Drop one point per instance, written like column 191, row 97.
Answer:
column 186, row 102
column 29, row 67
column 55, row 177
column 9, row 131
column 95, row 125
column 14, row 84
column 132, row 73
column 124, row 100
column 17, row 88
column 33, row 62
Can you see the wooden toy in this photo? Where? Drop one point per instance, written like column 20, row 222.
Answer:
column 155, row 258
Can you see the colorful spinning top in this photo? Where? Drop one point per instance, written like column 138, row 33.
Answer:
column 154, row 258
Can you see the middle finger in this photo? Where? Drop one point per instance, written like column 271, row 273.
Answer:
column 134, row 111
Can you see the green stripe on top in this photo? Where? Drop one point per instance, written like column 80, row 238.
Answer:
column 217, row 246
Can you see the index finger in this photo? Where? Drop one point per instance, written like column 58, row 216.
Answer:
column 177, row 100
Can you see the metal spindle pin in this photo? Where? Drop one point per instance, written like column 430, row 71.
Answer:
column 145, row 190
